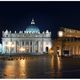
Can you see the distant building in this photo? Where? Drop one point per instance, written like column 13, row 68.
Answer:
column 67, row 43
column 30, row 41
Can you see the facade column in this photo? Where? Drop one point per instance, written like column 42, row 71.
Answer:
column 39, row 46
column 19, row 45
column 4, row 47
column 32, row 46
column 25, row 45
column 14, row 46
column 29, row 47
column 42, row 47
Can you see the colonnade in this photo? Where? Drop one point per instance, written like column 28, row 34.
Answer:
column 73, row 50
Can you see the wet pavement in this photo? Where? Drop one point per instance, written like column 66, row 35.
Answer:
column 40, row 67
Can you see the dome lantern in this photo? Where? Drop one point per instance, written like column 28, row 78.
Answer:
column 32, row 28
column 32, row 22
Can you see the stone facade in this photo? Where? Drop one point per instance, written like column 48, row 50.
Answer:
column 29, row 41
column 67, row 43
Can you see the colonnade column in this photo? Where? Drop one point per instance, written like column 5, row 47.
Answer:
column 38, row 46
column 70, row 50
column 79, row 50
column 76, row 50
column 73, row 51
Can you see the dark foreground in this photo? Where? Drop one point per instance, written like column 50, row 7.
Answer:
column 40, row 67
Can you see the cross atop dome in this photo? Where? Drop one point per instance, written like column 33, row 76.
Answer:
column 32, row 22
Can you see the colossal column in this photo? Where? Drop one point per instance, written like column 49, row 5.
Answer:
column 32, row 46
column 19, row 46
column 14, row 46
column 39, row 46
column 29, row 47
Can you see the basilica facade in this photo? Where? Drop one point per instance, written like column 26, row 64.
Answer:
column 30, row 41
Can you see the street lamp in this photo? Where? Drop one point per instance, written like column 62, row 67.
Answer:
column 60, row 33
column 61, row 38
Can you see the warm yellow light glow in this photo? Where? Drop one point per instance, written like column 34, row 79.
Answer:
column 10, row 69
column 51, row 51
column 12, row 45
column 22, row 49
column 9, row 44
column 60, row 33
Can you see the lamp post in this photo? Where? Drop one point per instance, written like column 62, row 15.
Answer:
column 61, row 37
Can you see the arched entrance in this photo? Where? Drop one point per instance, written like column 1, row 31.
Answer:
column 47, row 49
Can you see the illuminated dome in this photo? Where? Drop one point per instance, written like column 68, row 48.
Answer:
column 32, row 28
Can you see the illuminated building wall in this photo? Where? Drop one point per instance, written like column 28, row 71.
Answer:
column 29, row 41
column 0, row 48
column 68, row 41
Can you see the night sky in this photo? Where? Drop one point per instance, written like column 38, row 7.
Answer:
column 47, row 15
